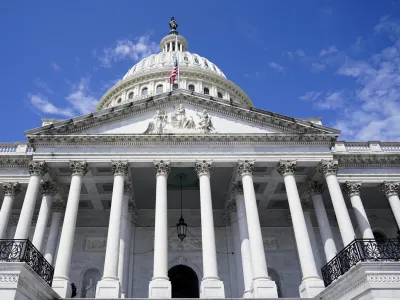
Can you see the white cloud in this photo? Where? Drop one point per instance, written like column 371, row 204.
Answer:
column 388, row 26
column 320, row 100
column 127, row 49
column 299, row 53
column 41, row 84
column 44, row 105
column 276, row 66
column 81, row 98
column 318, row 67
column 55, row 66
column 328, row 51
column 311, row 96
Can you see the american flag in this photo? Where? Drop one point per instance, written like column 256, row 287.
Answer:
column 174, row 71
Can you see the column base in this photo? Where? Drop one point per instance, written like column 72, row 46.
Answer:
column 108, row 288
column 160, row 288
column 264, row 288
column 62, row 287
column 123, row 295
column 212, row 288
column 247, row 294
column 311, row 287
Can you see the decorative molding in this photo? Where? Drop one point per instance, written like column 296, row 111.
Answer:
column 245, row 167
column 352, row 188
column 127, row 189
column 328, row 167
column 368, row 160
column 203, row 167
column 237, row 188
column 38, row 168
column 11, row 188
column 390, row 188
column 48, row 188
column 188, row 244
column 15, row 163
column 9, row 278
column 162, row 168
column 79, row 168
column 384, row 278
column 95, row 244
column 58, row 205
column 286, row 167
column 314, row 188
column 119, row 167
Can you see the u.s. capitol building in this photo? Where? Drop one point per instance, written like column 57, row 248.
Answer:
column 186, row 190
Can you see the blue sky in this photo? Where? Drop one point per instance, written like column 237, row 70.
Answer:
column 339, row 60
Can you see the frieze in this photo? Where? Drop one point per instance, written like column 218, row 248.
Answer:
column 368, row 160
column 9, row 278
column 15, row 162
column 95, row 243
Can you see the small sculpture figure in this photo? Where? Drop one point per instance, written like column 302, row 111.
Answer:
column 173, row 26
column 205, row 123
column 180, row 115
column 158, row 123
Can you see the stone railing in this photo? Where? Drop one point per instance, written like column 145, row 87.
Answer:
column 360, row 250
column 366, row 147
column 15, row 148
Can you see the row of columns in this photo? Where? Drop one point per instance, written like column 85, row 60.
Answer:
column 257, row 283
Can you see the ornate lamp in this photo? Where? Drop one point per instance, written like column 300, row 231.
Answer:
column 181, row 226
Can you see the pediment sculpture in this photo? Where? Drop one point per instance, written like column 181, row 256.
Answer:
column 180, row 121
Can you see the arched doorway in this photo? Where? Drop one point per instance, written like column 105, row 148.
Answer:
column 184, row 281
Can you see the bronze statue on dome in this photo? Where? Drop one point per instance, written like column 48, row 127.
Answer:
column 173, row 26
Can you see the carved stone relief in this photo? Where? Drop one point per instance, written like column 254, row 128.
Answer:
column 95, row 243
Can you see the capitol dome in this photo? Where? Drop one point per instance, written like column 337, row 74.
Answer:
column 150, row 76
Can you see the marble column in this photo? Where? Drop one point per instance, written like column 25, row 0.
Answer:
column 57, row 208
column 37, row 169
column 311, row 284
column 160, row 286
column 353, row 190
column 329, row 169
column 61, row 284
column 109, row 286
column 129, row 282
column 211, row 286
column 123, row 260
column 315, row 190
column 262, row 286
column 391, row 191
column 11, row 190
column 48, row 190
column 244, row 239
column 236, row 249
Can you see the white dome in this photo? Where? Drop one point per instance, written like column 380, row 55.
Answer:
column 166, row 59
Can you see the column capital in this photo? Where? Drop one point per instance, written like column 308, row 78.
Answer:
column 48, row 188
column 237, row 188
column 328, row 167
column 119, row 167
column 58, row 205
column 37, row 168
column 127, row 188
column 286, row 167
column 352, row 188
column 315, row 188
column 231, row 206
column 203, row 167
column 390, row 188
column 131, row 206
column 306, row 204
column 161, row 167
column 79, row 168
column 245, row 167
column 11, row 188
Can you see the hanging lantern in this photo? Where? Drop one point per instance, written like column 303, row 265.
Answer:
column 181, row 227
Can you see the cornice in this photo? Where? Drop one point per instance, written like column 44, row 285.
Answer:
column 368, row 160
column 15, row 163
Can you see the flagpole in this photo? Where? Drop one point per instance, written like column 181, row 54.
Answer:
column 176, row 46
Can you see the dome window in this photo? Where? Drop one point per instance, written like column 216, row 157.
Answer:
column 186, row 59
column 196, row 60
column 175, row 87
column 191, row 87
column 159, row 89
column 130, row 96
column 206, row 91
column 119, row 100
column 145, row 91
column 215, row 69
column 206, row 64
column 219, row 95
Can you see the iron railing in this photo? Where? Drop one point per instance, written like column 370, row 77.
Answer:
column 24, row 251
column 360, row 250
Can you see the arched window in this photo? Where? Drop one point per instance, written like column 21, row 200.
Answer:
column 206, row 91
column 119, row 100
column 175, row 87
column 196, row 60
column 130, row 96
column 191, row 87
column 206, row 64
column 185, row 58
column 219, row 95
column 145, row 91
column 159, row 89
column 90, row 279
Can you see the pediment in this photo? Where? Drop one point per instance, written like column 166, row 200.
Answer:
column 182, row 114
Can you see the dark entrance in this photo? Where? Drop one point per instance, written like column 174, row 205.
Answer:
column 184, row 282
